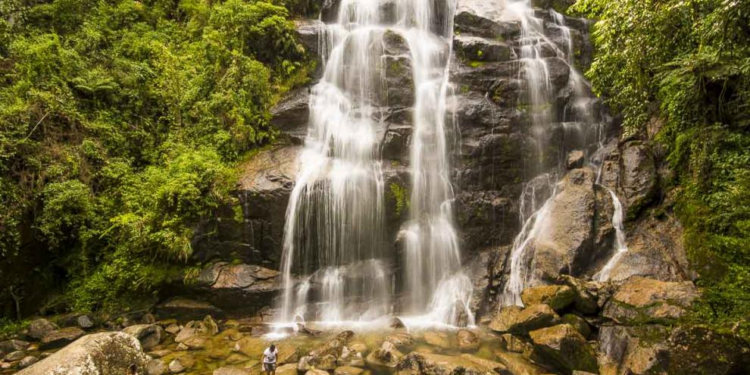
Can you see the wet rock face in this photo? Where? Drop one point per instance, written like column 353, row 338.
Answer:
column 655, row 250
column 291, row 114
column 485, row 18
column 100, row 353
column 309, row 32
column 578, row 237
column 256, row 235
column 238, row 288
column 631, row 170
column 474, row 48
column 639, row 179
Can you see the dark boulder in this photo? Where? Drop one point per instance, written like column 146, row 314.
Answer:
column 60, row 337
column 291, row 115
column 38, row 328
column 639, row 178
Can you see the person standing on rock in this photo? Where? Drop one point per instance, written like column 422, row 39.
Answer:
column 269, row 359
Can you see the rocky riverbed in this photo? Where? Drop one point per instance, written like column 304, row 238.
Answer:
column 571, row 327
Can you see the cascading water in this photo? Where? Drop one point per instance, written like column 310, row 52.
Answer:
column 620, row 247
column 334, row 230
column 578, row 120
column 433, row 258
column 335, row 215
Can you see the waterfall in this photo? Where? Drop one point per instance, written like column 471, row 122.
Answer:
column 334, row 236
column 578, row 123
column 620, row 247
column 433, row 257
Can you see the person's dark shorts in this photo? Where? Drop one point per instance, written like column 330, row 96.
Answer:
column 269, row 367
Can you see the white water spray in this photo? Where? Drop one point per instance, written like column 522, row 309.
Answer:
column 335, row 217
column 620, row 247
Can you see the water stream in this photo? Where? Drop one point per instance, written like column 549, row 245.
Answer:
column 582, row 131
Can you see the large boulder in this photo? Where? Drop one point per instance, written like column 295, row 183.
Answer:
column 518, row 320
column 400, row 339
column 557, row 297
column 638, row 176
column 641, row 300
column 577, row 322
column 38, row 328
column 334, row 346
column 110, row 353
column 570, row 241
column 656, row 349
column 195, row 334
column 564, row 348
column 633, row 350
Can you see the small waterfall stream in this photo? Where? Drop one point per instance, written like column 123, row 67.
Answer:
column 334, row 235
column 578, row 118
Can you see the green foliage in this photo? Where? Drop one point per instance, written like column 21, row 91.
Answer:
column 401, row 197
column 120, row 124
column 691, row 60
column 9, row 327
